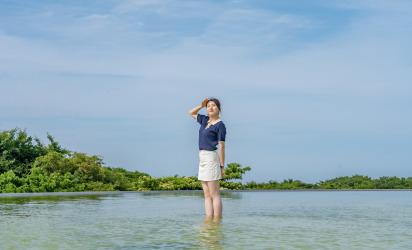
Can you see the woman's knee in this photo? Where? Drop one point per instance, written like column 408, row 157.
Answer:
column 215, row 195
column 207, row 194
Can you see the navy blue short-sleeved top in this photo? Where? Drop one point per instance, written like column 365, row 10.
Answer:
column 210, row 137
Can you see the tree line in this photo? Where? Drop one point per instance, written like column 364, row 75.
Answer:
column 28, row 165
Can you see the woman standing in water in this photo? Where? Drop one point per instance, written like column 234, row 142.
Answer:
column 212, row 134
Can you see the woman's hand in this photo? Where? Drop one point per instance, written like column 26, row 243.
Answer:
column 222, row 170
column 204, row 102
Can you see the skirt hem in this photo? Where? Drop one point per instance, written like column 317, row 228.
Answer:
column 209, row 180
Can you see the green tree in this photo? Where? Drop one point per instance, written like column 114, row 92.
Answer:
column 348, row 182
column 87, row 167
column 393, row 182
column 55, row 161
column 9, row 182
column 235, row 171
column 18, row 151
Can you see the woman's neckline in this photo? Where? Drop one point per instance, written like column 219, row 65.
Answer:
column 206, row 127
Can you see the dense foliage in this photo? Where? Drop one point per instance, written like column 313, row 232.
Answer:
column 28, row 165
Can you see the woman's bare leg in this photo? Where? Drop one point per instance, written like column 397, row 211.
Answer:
column 216, row 200
column 208, row 200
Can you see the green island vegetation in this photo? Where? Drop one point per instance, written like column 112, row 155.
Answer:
column 28, row 165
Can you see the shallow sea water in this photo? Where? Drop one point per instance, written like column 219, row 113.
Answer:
column 175, row 220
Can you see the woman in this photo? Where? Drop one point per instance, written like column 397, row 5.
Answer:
column 212, row 134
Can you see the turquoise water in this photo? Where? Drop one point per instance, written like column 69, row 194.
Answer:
column 174, row 220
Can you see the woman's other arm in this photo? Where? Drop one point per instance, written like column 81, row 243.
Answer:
column 222, row 152
column 222, row 156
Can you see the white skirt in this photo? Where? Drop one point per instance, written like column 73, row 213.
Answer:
column 209, row 166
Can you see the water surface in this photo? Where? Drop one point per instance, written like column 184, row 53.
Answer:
column 175, row 220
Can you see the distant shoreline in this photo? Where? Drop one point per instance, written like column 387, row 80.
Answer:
column 28, row 166
column 16, row 195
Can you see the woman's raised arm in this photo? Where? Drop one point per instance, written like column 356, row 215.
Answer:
column 193, row 112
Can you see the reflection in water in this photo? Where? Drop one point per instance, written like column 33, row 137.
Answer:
column 46, row 199
column 210, row 234
column 199, row 193
column 31, row 204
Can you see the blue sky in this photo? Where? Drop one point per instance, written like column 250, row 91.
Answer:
column 309, row 89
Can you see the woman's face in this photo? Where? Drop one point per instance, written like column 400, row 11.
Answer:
column 212, row 108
